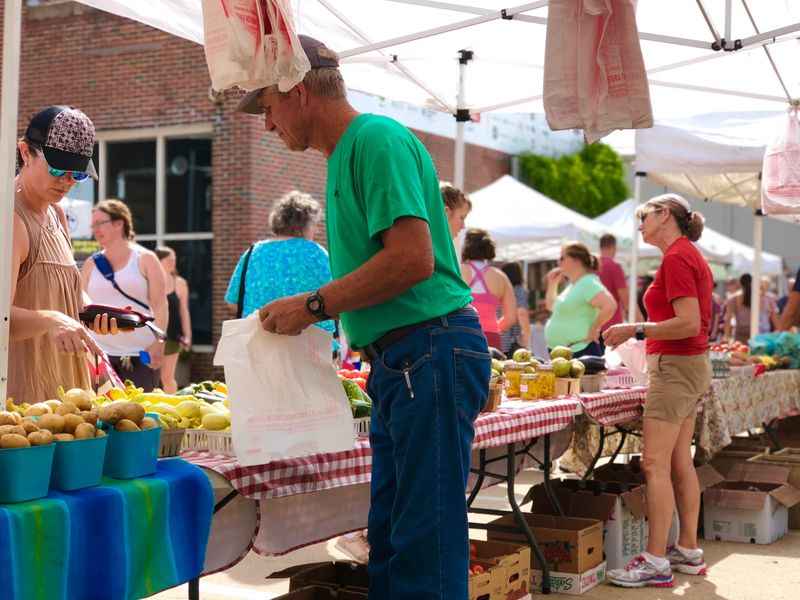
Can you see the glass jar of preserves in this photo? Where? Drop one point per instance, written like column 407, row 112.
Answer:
column 529, row 386
column 546, row 382
column 513, row 373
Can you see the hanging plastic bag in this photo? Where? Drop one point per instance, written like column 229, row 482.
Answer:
column 252, row 44
column 632, row 354
column 595, row 77
column 780, row 173
column 286, row 399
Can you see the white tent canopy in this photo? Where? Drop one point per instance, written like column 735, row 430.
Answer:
column 715, row 246
column 525, row 224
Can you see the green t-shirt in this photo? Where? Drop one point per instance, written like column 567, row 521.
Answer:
column 378, row 173
column 573, row 314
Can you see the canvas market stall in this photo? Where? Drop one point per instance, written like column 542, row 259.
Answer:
column 716, row 247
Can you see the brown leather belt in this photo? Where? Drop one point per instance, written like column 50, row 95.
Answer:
column 372, row 351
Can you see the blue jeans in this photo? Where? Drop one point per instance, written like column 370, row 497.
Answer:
column 427, row 390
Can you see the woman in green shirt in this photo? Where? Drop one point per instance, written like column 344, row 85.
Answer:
column 582, row 308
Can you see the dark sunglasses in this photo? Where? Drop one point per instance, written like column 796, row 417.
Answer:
column 643, row 218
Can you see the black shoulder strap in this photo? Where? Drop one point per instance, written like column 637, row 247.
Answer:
column 107, row 271
column 240, row 301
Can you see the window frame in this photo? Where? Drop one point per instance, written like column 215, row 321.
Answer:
column 160, row 135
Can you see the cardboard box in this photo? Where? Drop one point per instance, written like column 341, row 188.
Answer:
column 571, row 583
column 515, row 559
column 789, row 458
column 322, row 593
column 620, row 506
column 569, row 545
column 488, row 585
column 332, row 575
column 751, row 505
column 739, row 451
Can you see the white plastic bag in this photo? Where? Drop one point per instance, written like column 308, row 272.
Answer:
column 594, row 76
column 286, row 399
column 780, row 186
column 632, row 354
column 252, row 44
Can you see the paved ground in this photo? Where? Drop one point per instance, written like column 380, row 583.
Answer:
column 736, row 571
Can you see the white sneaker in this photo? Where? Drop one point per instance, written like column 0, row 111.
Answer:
column 689, row 562
column 640, row 572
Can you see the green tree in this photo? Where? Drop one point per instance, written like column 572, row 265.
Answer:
column 590, row 181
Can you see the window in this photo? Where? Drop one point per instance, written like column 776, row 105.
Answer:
column 164, row 175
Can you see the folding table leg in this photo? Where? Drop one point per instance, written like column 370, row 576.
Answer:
column 521, row 522
column 598, row 454
column 194, row 589
column 481, row 473
column 546, row 469
column 773, row 436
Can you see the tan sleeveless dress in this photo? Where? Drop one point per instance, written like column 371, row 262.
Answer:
column 48, row 280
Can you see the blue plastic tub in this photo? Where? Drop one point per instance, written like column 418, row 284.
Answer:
column 25, row 473
column 78, row 464
column 131, row 454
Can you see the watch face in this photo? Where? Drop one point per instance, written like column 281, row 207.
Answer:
column 314, row 304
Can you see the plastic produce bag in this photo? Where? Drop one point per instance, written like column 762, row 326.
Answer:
column 594, row 74
column 780, row 186
column 286, row 399
column 252, row 44
column 632, row 354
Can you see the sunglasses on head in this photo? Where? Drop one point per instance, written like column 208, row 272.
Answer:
column 76, row 175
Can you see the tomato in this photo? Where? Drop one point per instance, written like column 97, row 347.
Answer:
column 478, row 569
column 361, row 382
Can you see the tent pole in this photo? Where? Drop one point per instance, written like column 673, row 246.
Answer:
column 633, row 277
column 758, row 245
column 12, row 26
column 462, row 116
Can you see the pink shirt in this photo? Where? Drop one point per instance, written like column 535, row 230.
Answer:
column 613, row 277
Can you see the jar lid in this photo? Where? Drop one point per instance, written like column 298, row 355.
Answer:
column 516, row 366
column 544, row 368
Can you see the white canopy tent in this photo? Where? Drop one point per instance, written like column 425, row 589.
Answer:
column 716, row 156
column 715, row 246
column 409, row 50
column 525, row 224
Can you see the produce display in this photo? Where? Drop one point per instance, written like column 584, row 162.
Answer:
column 769, row 352
column 355, row 386
column 531, row 378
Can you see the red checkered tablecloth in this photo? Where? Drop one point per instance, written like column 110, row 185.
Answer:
column 514, row 422
column 614, row 407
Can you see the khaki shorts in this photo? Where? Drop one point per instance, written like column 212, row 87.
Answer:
column 677, row 383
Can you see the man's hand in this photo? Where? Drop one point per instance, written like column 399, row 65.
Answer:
column 286, row 316
column 618, row 334
column 69, row 335
column 156, row 352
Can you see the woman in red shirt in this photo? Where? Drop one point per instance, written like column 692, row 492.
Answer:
column 679, row 308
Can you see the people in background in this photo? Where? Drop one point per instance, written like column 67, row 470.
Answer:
column 131, row 277
column 582, row 308
column 288, row 263
column 456, row 206
column 790, row 285
column 717, row 316
column 737, row 312
column 679, row 318
column 50, row 345
column 645, row 282
column 790, row 315
column 179, row 327
column 613, row 277
column 492, row 291
column 732, row 286
column 519, row 335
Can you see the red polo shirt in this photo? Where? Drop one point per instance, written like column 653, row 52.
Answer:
column 683, row 273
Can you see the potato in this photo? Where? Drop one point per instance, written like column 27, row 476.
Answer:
column 71, row 422
column 8, row 429
column 67, row 408
column 89, row 416
column 126, row 425
column 53, row 404
column 100, row 433
column 53, row 423
column 37, row 410
column 40, row 438
column 132, row 412
column 29, row 426
column 14, row 440
column 9, row 418
column 83, row 399
column 64, row 437
column 84, row 431
column 149, row 423
column 110, row 413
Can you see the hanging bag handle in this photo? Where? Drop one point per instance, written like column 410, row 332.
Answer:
column 240, row 301
column 107, row 271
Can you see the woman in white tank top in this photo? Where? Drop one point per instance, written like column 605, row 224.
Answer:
column 138, row 273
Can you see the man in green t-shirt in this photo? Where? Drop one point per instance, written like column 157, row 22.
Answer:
column 398, row 291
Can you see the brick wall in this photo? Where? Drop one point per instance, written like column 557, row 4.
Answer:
column 125, row 75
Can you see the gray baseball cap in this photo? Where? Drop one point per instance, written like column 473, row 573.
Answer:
column 320, row 57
